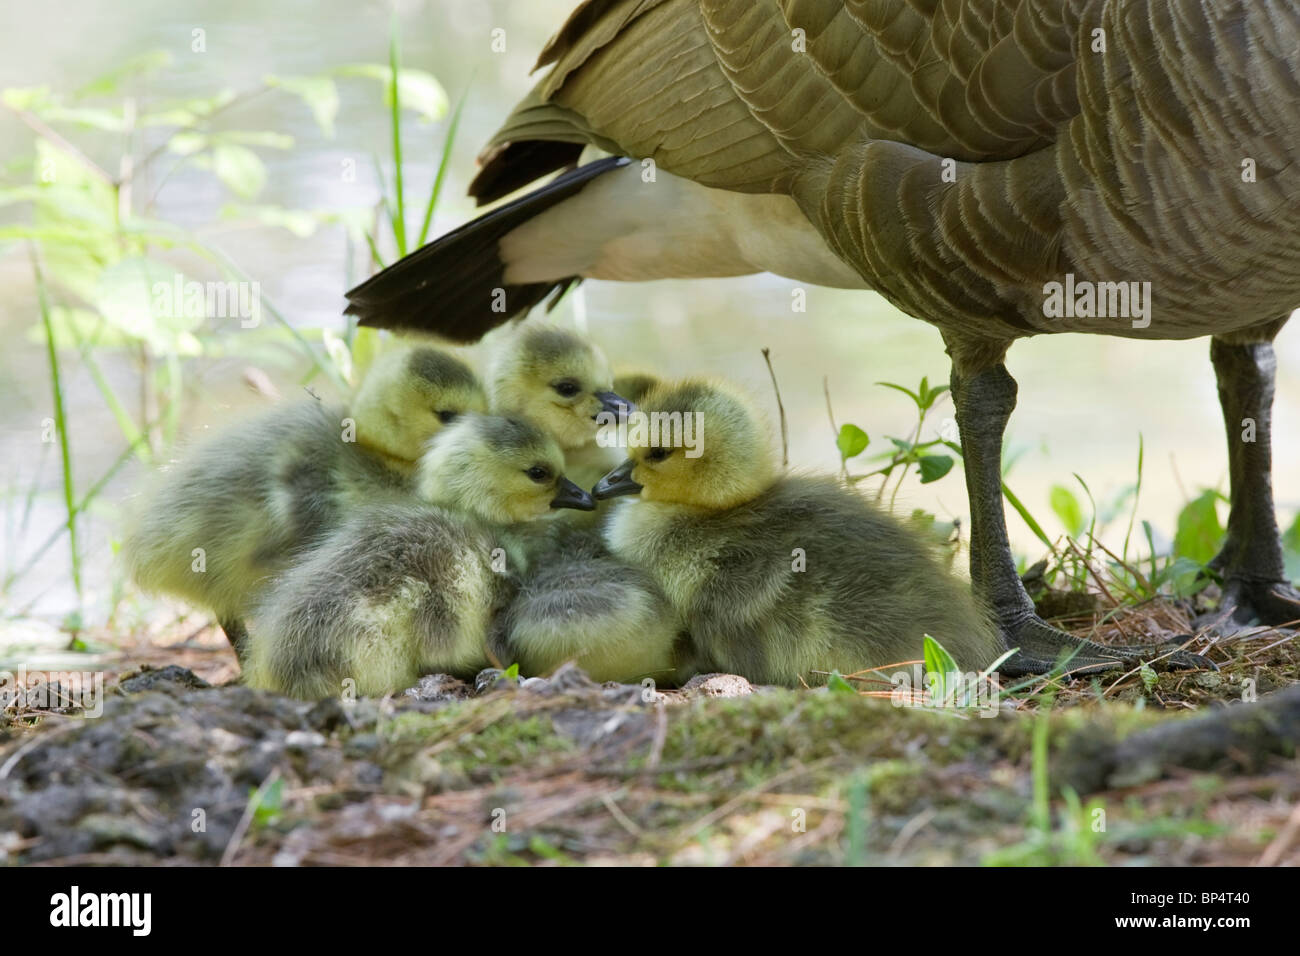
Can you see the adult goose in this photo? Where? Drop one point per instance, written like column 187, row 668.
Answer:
column 971, row 160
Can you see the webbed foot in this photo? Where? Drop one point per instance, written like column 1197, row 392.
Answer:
column 1043, row 647
column 1250, row 604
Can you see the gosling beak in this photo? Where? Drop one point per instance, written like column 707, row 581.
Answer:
column 617, row 482
column 617, row 405
column 570, row 495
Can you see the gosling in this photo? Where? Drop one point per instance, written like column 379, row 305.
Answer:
column 582, row 604
column 242, row 504
column 399, row 590
column 577, row 602
column 781, row 579
column 563, row 383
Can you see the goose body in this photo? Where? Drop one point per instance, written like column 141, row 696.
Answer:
column 970, row 160
column 404, row 588
column 957, row 157
column 239, row 506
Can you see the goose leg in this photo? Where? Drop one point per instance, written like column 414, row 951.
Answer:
column 985, row 395
column 1255, row 585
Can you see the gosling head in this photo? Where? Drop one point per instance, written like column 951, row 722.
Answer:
column 632, row 386
column 408, row 396
column 557, row 379
column 502, row 470
column 721, row 459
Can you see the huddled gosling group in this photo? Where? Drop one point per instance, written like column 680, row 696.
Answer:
column 437, row 524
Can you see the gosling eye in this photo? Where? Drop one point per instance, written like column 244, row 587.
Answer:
column 447, row 416
column 539, row 473
column 658, row 454
column 567, row 388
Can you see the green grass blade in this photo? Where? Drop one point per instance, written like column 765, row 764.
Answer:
column 1021, row 510
column 1042, row 798
column 61, row 423
column 399, row 199
column 233, row 270
column 443, row 162
column 125, row 422
column 374, row 251
column 85, row 503
column 1015, row 502
column 1137, row 494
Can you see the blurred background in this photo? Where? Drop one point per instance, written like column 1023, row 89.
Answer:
column 254, row 142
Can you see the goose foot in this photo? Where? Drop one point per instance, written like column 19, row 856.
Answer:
column 1042, row 647
column 1252, row 604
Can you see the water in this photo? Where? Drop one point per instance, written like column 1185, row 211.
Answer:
column 1083, row 400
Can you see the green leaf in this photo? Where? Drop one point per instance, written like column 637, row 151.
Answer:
column 142, row 64
column 1291, row 549
column 252, row 137
column 33, row 99
column 906, row 391
column 187, row 112
column 928, row 396
column 1200, row 533
column 1149, row 676
column 838, row 685
column 511, row 672
column 417, row 90
column 319, row 93
column 187, row 143
column 240, row 169
column 851, row 441
column 70, row 327
column 137, row 296
column 1183, row 575
column 1067, row 509
column 16, row 194
column 269, row 805
column 113, row 121
column 941, row 671
column 934, row 467
column 300, row 222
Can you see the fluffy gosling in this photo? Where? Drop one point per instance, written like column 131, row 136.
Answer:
column 240, row 505
column 402, row 589
column 778, row 578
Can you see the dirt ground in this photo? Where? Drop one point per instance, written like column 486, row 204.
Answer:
column 186, row 767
